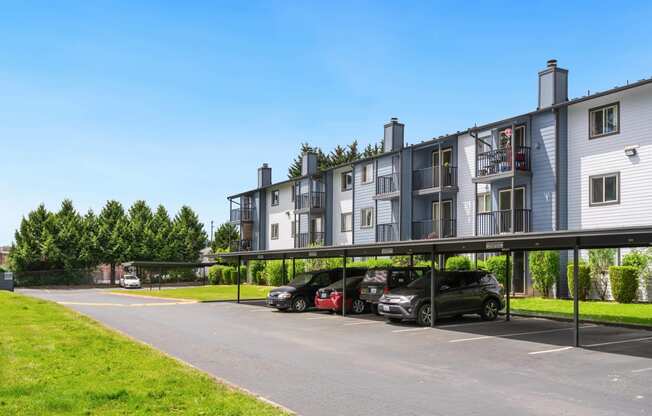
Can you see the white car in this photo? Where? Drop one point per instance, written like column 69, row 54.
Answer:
column 130, row 280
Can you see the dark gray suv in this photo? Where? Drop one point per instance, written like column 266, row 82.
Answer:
column 460, row 292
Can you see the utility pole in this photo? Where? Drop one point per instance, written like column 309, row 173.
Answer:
column 211, row 232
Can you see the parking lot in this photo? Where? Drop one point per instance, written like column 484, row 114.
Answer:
column 321, row 364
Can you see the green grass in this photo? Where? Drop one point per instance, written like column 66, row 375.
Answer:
column 205, row 293
column 633, row 313
column 55, row 361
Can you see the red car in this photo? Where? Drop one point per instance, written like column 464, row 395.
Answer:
column 330, row 297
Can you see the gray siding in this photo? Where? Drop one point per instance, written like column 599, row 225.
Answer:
column 406, row 194
column 328, row 211
column 362, row 198
column 543, row 172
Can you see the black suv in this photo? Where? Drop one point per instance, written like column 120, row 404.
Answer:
column 299, row 294
column 381, row 280
column 460, row 292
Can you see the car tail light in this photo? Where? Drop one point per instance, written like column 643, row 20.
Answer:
column 386, row 290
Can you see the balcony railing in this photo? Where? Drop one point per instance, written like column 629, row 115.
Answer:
column 242, row 214
column 316, row 238
column 387, row 232
column 429, row 229
column 499, row 161
column 310, row 200
column 387, row 184
column 499, row 222
column 241, row 245
column 429, row 177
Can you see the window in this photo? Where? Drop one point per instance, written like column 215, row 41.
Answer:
column 604, row 189
column 275, row 197
column 347, row 181
column 274, row 231
column 484, row 202
column 366, row 217
column 604, row 121
column 293, row 229
column 292, row 192
column 347, row 222
column 368, row 173
column 483, row 144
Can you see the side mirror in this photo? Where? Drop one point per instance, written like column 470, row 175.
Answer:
column 444, row 288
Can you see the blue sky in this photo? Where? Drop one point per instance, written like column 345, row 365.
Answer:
column 180, row 103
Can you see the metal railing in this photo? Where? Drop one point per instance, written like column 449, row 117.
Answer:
column 316, row 238
column 387, row 232
column 433, row 229
column 387, row 184
column 498, row 161
column 310, row 200
column 499, row 222
column 429, row 177
column 242, row 214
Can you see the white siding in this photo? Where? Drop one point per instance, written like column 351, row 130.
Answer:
column 607, row 155
column 466, row 193
column 281, row 214
column 342, row 203
column 363, row 199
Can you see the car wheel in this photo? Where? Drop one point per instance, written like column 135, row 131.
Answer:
column 490, row 309
column 299, row 304
column 395, row 320
column 358, row 306
column 424, row 315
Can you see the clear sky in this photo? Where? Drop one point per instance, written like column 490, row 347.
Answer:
column 179, row 102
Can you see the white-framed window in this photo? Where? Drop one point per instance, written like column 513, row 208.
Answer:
column 276, row 197
column 604, row 121
column 346, row 222
column 274, row 234
column 347, row 181
column 366, row 217
column 604, row 189
column 293, row 229
column 368, row 173
column 484, row 202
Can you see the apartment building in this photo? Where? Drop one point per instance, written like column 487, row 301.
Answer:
column 567, row 164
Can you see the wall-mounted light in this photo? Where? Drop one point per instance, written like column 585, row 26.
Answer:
column 631, row 150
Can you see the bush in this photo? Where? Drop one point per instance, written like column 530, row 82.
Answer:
column 599, row 262
column 544, row 268
column 624, row 283
column 458, row 263
column 215, row 274
column 496, row 266
column 636, row 259
column 273, row 272
column 584, row 277
column 482, row 265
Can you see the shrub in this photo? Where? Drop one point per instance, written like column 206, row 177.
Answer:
column 273, row 272
column 215, row 274
column 599, row 262
column 544, row 268
column 584, row 277
column 482, row 265
column 496, row 265
column 458, row 263
column 636, row 259
column 624, row 283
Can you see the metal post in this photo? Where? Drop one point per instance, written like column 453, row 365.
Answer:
column 411, row 260
column 576, row 301
column 439, row 224
column 283, row 270
column 160, row 276
column 513, row 204
column 433, row 282
column 508, row 285
column 238, row 279
column 344, row 284
column 442, row 266
column 294, row 268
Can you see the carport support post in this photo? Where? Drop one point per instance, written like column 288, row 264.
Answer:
column 508, row 281
column 283, row 270
column 294, row 268
column 238, row 280
column 432, row 287
column 576, row 301
column 344, row 284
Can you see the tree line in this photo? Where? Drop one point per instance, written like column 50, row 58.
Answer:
column 68, row 240
column 338, row 156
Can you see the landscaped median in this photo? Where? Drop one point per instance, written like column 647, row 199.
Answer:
column 631, row 313
column 55, row 361
column 205, row 293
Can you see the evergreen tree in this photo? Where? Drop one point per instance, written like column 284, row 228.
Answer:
column 161, row 226
column 111, row 235
column 337, row 156
column 352, row 153
column 141, row 236
column 26, row 252
column 68, row 236
column 294, row 171
column 188, row 234
column 224, row 234
column 89, row 252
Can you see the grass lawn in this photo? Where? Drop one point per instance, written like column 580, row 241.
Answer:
column 55, row 361
column 205, row 293
column 633, row 313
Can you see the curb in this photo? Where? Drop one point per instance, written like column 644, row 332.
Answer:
column 133, row 295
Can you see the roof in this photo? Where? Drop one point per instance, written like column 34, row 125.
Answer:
column 167, row 264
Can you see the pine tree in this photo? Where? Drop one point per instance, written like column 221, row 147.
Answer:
column 26, row 252
column 89, row 253
column 337, row 156
column 188, row 234
column 224, row 234
column 141, row 235
column 68, row 235
column 161, row 226
column 111, row 236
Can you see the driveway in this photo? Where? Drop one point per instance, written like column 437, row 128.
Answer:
column 320, row 364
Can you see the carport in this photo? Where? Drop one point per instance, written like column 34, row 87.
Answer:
column 436, row 249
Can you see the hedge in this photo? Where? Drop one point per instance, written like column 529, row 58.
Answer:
column 624, row 283
column 544, row 268
column 458, row 263
column 496, row 265
column 584, row 277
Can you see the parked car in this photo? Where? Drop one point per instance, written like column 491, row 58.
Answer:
column 459, row 293
column 129, row 281
column 379, row 281
column 299, row 294
column 331, row 297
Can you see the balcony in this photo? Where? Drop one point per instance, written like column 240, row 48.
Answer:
column 431, row 230
column 242, row 214
column 307, row 201
column 498, row 162
column 240, row 245
column 500, row 222
column 387, row 186
column 428, row 178
column 387, row 232
column 316, row 238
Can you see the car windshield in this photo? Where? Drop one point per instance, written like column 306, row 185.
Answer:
column 420, row 283
column 351, row 282
column 302, row 279
column 131, row 278
column 376, row 276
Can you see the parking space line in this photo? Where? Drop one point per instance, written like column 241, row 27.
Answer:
column 516, row 334
column 364, row 323
column 642, row 370
column 602, row 344
column 396, row 331
column 321, row 317
column 258, row 310
column 469, row 324
column 547, row 351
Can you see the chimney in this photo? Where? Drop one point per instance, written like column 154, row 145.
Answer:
column 309, row 164
column 553, row 85
column 264, row 176
column 393, row 139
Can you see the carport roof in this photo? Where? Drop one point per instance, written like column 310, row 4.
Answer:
column 168, row 264
column 552, row 240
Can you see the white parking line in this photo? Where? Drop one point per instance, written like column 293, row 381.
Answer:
column 602, row 344
column 642, row 370
column 547, row 351
column 469, row 324
column 364, row 323
column 259, row 310
column 396, row 331
column 516, row 334
column 321, row 317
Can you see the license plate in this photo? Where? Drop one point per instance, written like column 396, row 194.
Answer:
column 323, row 296
column 384, row 308
column 372, row 290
